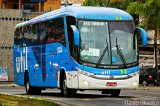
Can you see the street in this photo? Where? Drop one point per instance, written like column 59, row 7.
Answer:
column 93, row 98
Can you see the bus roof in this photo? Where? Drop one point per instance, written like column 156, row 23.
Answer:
column 95, row 13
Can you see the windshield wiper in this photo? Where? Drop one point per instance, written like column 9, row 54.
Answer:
column 119, row 51
column 101, row 57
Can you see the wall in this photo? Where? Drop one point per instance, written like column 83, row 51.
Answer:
column 8, row 19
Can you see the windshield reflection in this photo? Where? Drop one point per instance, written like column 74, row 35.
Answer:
column 123, row 33
column 97, row 38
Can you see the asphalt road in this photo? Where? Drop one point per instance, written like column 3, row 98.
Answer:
column 93, row 98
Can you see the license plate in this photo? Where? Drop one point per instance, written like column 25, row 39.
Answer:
column 111, row 84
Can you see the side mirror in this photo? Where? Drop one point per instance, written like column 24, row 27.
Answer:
column 76, row 35
column 144, row 35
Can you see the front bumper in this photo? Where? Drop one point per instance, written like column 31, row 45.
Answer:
column 100, row 82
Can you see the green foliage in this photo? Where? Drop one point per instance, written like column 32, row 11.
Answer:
column 150, row 10
column 107, row 3
column 123, row 4
column 135, row 8
column 99, row 3
column 152, row 13
column 8, row 100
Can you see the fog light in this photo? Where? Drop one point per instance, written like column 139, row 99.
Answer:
column 86, row 83
column 135, row 84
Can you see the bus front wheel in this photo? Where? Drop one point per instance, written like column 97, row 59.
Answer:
column 64, row 89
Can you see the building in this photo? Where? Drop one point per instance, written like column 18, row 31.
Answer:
column 13, row 12
column 30, row 6
column 71, row 2
column 74, row 1
column 77, row 1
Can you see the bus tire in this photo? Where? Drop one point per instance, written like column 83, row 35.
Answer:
column 115, row 93
column 29, row 89
column 27, row 85
column 64, row 89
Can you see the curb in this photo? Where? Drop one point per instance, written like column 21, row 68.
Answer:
column 148, row 88
column 9, row 85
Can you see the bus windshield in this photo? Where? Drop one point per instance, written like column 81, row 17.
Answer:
column 110, row 43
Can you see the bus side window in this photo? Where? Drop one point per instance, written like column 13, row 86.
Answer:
column 34, row 35
column 71, row 21
column 55, row 31
column 24, row 40
column 22, row 37
column 42, row 33
column 60, row 31
column 30, row 35
column 50, row 32
column 16, row 38
column 27, row 36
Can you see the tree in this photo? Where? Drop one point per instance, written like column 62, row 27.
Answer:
column 99, row 3
column 121, row 4
column 150, row 10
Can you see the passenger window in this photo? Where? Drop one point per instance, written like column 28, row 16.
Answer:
column 55, row 31
column 42, row 32
column 34, row 34
column 18, row 37
column 26, row 35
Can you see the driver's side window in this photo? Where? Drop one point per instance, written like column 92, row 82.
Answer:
column 71, row 21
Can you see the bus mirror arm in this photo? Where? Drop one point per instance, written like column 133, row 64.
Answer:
column 143, row 35
column 76, row 35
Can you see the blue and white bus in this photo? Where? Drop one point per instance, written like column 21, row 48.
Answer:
column 78, row 48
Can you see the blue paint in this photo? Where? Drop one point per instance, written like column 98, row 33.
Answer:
column 18, row 74
column 144, row 36
column 44, row 73
column 116, row 72
column 76, row 35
